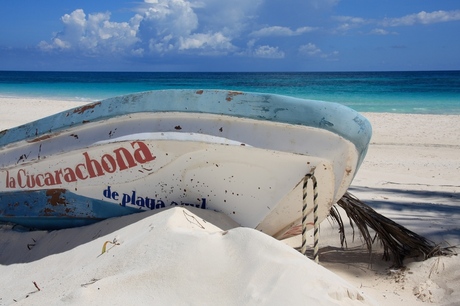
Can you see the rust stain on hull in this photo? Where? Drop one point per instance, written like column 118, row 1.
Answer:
column 48, row 212
column 56, row 197
column 84, row 108
column 44, row 137
column 231, row 94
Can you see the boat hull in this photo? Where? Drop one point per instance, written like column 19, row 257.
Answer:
column 108, row 165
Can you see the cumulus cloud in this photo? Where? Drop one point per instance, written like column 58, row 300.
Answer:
column 216, row 41
column 261, row 51
column 157, row 27
column 268, row 52
column 170, row 26
column 231, row 18
column 312, row 50
column 347, row 23
column 201, row 25
column 162, row 18
column 210, row 27
column 93, row 33
column 281, row 31
column 422, row 18
column 164, row 23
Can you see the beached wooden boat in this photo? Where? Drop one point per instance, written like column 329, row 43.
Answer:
column 243, row 154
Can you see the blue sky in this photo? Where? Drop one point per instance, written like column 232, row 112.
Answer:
column 230, row 35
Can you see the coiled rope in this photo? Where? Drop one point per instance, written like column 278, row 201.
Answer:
column 310, row 177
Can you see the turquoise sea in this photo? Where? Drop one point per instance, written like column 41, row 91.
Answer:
column 431, row 92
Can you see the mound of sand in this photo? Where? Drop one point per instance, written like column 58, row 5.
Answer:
column 170, row 258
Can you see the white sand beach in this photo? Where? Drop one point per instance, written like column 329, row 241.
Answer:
column 195, row 257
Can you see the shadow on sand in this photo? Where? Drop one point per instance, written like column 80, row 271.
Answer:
column 432, row 214
column 424, row 221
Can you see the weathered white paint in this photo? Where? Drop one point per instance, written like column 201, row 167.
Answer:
column 248, row 167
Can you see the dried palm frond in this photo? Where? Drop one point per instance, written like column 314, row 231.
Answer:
column 398, row 241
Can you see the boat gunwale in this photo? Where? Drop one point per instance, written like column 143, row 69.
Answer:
column 330, row 116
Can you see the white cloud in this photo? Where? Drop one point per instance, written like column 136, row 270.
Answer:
column 61, row 44
column 230, row 18
column 160, row 45
column 350, row 19
column 281, row 31
column 164, row 23
column 181, row 25
column 158, row 27
column 165, row 17
column 422, row 18
column 349, row 22
column 200, row 41
column 174, row 25
column 208, row 27
column 378, row 31
column 93, row 34
column 268, row 52
column 137, row 52
column 261, row 51
column 312, row 50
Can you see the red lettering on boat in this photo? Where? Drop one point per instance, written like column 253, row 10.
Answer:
column 118, row 160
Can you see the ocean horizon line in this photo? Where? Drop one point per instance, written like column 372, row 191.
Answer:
column 436, row 92
column 236, row 71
